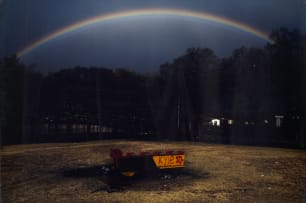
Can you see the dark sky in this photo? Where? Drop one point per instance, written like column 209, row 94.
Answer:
column 141, row 43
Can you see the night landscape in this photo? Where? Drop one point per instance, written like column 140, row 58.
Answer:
column 223, row 84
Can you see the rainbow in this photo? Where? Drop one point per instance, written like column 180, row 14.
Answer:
column 143, row 12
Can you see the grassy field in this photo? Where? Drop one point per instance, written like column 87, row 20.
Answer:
column 38, row 173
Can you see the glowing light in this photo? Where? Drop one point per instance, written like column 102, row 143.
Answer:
column 230, row 122
column 278, row 120
column 215, row 122
column 143, row 12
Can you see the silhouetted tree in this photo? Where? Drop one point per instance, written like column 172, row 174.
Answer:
column 287, row 54
column 251, row 67
column 19, row 98
column 251, row 84
column 115, row 99
column 184, row 92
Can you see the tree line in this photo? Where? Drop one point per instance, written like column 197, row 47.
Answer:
column 253, row 84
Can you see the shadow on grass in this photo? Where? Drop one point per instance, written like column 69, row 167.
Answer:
column 162, row 180
column 87, row 172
